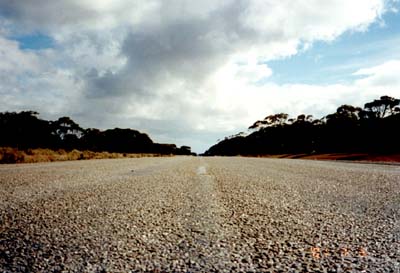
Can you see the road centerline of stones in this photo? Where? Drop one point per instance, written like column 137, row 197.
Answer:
column 201, row 170
column 203, row 221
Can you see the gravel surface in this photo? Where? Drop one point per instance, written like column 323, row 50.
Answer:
column 192, row 214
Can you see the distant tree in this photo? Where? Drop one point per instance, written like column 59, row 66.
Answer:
column 303, row 118
column 345, row 113
column 92, row 139
column 270, row 121
column 318, row 122
column 349, row 130
column 24, row 130
column 125, row 140
column 184, row 150
column 349, row 111
column 381, row 108
column 165, row 148
column 342, row 131
column 241, row 134
column 66, row 126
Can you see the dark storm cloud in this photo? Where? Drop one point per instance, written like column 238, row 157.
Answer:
column 187, row 50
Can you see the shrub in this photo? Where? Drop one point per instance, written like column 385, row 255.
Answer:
column 11, row 155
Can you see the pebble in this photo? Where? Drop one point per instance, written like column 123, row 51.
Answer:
column 288, row 216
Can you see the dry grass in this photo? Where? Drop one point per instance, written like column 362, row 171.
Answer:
column 13, row 155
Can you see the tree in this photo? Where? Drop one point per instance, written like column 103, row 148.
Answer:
column 66, row 126
column 349, row 130
column 345, row 113
column 24, row 130
column 271, row 121
column 184, row 150
column 303, row 118
column 381, row 108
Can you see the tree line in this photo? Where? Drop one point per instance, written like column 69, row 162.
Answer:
column 25, row 130
column 372, row 129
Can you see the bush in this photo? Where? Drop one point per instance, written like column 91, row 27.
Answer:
column 11, row 155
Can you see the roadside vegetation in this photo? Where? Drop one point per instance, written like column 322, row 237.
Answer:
column 24, row 137
column 13, row 155
column 349, row 133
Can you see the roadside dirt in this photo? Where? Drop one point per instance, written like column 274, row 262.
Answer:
column 341, row 156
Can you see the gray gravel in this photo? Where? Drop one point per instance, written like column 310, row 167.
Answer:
column 188, row 214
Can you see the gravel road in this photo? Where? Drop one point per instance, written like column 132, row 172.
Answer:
column 193, row 214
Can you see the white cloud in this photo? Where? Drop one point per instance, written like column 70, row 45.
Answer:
column 385, row 75
column 311, row 20
column 33, row 80
column 14, row 60
column 251, row 102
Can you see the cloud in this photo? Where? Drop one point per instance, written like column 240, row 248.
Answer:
column 161, row 66
column 72, row 15
column 32, row 80
column 14, row 60
column 384, row 75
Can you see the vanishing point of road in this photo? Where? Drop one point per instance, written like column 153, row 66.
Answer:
column 194, row 214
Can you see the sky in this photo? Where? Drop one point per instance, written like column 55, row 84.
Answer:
column 192, row 72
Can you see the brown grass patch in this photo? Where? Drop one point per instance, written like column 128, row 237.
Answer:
column 14, row 155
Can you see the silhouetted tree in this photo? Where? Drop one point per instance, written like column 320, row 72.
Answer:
column 350, row 129
column 66, row 126
column 25, row 130
column 271, row 120
column 382, row 107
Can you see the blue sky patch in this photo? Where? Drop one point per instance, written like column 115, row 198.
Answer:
column 334, row 62
column 35, row 41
